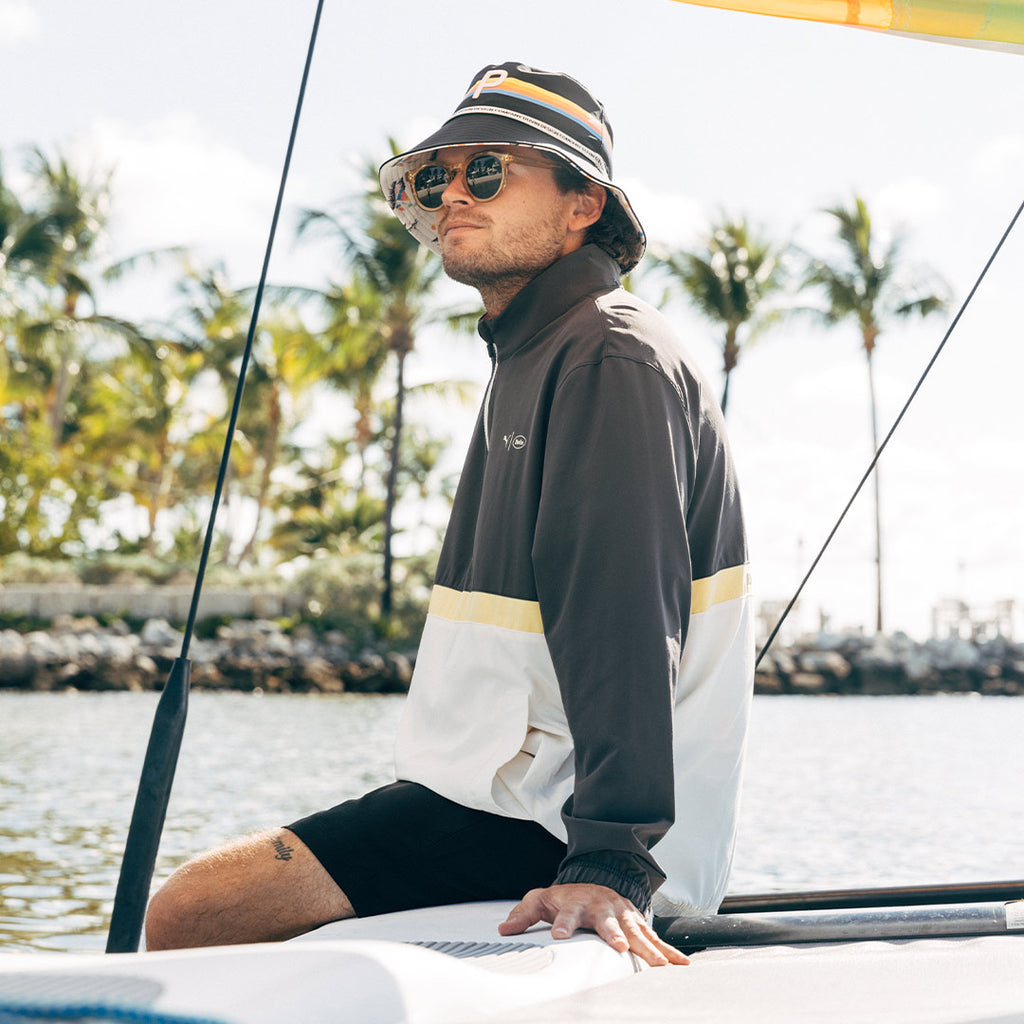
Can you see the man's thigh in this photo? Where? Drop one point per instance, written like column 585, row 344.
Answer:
column 404, row 846
column 263, row 887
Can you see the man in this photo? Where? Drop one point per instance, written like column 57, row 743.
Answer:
column 582, row 685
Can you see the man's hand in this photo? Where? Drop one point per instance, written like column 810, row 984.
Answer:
column 597, row 908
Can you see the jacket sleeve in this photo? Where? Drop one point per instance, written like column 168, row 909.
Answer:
column 613, row 575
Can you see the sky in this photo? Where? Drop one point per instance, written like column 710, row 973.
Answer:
column 191, row 104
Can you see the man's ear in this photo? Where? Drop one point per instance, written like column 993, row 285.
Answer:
column 589, row 206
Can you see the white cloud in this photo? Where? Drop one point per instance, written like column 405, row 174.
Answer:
column 910, row 202
column 176, row 184
column 999, row 158
column 18, row 22
column 669, row 218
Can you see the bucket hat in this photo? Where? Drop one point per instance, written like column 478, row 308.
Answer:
column 514, row 105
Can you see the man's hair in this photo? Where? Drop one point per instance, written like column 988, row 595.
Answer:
column 614, row 231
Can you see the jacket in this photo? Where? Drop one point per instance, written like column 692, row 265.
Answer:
column 587, row 659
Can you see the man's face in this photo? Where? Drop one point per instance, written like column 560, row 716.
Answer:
column 514, row 236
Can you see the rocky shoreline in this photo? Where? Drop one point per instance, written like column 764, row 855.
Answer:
column 893, row 665
column 247, row 655
column 258, row 656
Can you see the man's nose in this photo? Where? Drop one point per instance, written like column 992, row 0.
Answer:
column 456, row 191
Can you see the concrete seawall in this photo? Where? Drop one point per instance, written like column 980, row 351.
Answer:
column 51, row 600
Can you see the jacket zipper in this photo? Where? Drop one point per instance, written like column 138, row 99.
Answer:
column 487, row 397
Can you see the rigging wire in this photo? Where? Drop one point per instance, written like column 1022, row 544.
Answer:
column 892, row 430
column 247, row 352
column 158, row 767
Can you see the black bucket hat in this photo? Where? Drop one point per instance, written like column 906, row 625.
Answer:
column 514, row 105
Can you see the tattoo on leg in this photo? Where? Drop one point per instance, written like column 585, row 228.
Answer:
column 283, row 852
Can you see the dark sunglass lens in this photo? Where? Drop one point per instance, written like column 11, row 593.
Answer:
column 484, row 175
column 429, row 183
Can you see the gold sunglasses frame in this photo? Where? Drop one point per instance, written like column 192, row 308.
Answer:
column 454, row 170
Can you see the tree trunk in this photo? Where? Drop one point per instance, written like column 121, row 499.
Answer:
column 387, row 594
column 63, row 382
column 869, row 348
column 730, row 357
column 269, row 456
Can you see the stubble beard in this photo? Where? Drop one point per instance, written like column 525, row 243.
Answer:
column 499, row 273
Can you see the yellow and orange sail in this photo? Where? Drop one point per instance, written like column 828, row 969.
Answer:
column 995, row 24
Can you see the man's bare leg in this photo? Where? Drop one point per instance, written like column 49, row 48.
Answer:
column 261, row 888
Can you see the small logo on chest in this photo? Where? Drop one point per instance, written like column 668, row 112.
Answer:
column 514, row 442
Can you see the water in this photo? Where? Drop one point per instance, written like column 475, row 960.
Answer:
column 839, row 792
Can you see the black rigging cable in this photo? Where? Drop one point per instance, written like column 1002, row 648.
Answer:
column 169, row 722
column 892, row 430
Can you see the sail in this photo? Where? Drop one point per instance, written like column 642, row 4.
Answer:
column 994, row 24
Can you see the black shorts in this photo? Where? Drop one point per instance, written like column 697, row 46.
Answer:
column 403, row 846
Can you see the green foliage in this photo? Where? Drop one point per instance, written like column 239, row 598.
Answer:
column 98, row 413
column 22, row 623
column 342, row 592
column 115, row 567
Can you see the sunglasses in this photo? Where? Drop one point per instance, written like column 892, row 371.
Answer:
column 485, row 177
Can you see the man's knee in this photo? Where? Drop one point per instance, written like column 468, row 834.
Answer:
column 174, row 909
column 166, row 919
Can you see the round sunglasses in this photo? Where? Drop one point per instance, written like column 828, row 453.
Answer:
column 485, row 177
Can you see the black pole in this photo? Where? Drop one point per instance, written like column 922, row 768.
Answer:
column 165, row 737
column 838, row 926
column 149, row 813
column 891, row 896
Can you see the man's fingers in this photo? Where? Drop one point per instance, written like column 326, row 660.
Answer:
column 629, row 930
column 525, row 914
column 569, row 908
column 612, row 932
column 645, row 943
column 565, row 923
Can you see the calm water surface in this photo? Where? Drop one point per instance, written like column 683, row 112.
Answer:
column 839, row 792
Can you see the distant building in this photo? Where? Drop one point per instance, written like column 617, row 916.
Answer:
column 952, row 617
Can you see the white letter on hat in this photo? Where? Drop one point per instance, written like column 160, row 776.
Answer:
column 493, row 78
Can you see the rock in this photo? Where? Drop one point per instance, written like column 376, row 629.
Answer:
column 321, row 675
column 807, row 682
column 17, row 664
column 767, row 682
column 159, row 633
column 826, row 663
column 399, row 669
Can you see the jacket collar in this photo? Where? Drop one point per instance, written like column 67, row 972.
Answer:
column 587, row 271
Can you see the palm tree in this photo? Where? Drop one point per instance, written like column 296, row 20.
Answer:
column 866, row 283
column 731, row 280
column 28, row 246
column 54, row 253
column 76, row 212
column 135, row 426
column 47, row 257
column 393, row 285
column 282, row 367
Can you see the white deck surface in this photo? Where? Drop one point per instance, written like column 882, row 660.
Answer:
column 361, row 973
column 924, row 981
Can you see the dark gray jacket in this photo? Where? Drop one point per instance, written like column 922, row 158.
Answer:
column 587, row 660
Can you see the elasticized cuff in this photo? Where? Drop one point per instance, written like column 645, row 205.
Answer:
column 619, row 871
